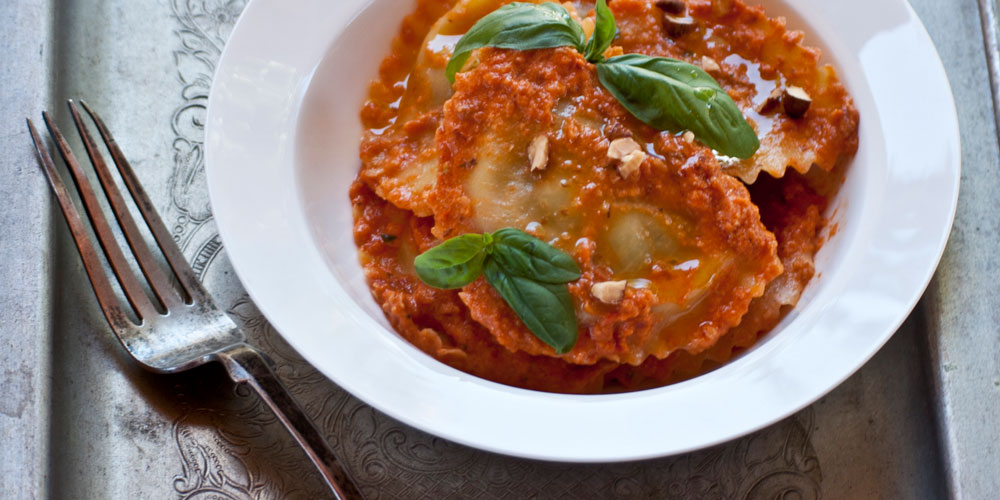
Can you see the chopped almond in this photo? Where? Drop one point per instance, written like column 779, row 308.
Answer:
column 709, row 65
column 772, row 102
column 672, row 7
column 631, row 163
column 538, row 152
column 677, row 26
column 796, row 101
column 609, row 292
column 620, row 148
column 688, row 136
column 629, row 154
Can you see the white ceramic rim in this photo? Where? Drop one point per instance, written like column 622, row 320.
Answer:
column 908, row 188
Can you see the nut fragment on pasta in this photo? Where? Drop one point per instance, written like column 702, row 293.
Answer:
column 631, row 163
column 609, row 292
column 710, row 65
column 772, row 102
column 629, row 155
column 677, row 26
column 795, row 101
column 620, row 148
column 538, row 152
column 672, row 7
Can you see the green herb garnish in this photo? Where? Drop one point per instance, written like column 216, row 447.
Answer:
column 454, row 263
column 519, row 26
column 605, row 32
column 529, row 274
column 673, row 95
column 546, row 309
column 664, row 93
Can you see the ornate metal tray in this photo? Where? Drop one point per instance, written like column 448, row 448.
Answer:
column 77, row 420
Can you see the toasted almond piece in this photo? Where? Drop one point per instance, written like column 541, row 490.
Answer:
column 630, row 164
column 609, row 292
column 538, row 152
column 795, row 101
column 677, row 26
column 688, row 136
column 672, row 7
column 771, row 103
column 709, row 65
column 620, row 148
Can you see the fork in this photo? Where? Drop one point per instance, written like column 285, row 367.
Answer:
column 178, row 328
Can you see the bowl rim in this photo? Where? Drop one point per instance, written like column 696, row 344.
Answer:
column 420, row 401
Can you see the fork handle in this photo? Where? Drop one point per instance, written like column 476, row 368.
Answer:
column 248, row 365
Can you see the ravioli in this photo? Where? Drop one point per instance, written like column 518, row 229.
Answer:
column 399, row 160
column 793, row 211
column 684, row 233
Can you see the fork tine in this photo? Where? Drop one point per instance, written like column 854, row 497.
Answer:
column 133, row 290
column 189, row 282
column 98, row 280
column 158, row 281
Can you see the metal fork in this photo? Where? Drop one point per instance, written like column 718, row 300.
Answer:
column 180, row 329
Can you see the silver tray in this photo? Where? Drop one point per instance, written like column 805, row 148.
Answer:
column 79, row 420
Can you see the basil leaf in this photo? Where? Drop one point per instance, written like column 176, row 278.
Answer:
column 522, row 254
column 545, row 308
column 674, row 95
column 521, row 26
column 454, row 263
column 605, row 31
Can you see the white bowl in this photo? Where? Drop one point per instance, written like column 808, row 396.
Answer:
column 282, row 148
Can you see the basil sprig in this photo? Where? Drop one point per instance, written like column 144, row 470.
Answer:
column 519, row 26
column 605, row 32
column 673, row 95
column 664, row 93
column 546, row 309
column 454, row 263
column 529, row 274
